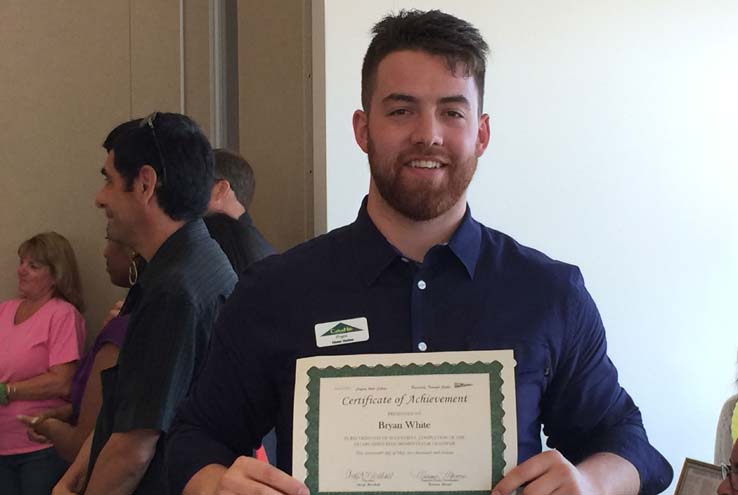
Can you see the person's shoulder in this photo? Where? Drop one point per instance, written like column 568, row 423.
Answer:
column 257, row 245
column 729, row 406
column 518, row 260
column 59, row 306
column 198, row 267
column 9, row 304
column 312, row 256
column 8, row 309
column 305, row 266
column 113, row 332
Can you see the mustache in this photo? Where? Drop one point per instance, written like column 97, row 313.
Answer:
column 429, row 153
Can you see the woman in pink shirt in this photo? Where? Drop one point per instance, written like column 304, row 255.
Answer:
column 67, row 427
column 41, row 336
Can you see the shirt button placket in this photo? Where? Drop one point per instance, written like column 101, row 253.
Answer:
column 420, row 316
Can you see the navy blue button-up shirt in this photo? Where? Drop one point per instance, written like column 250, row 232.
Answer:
column 481, row 291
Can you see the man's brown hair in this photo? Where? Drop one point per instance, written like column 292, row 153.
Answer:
column 234, row 169
column 433, row 32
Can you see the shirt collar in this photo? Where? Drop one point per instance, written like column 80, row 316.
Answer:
column 374, row 253
column 171, row 248
column 245, row 218
column 466, row 242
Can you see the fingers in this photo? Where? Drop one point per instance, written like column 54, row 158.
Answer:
column 29, row 421
column 35, row 437
column 114, row 311
column 32, row 423
column 60, row 489
column 542, row 474
column 249, row 475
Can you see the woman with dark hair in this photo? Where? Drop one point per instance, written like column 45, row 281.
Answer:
column 68, row 426
column 42, row 333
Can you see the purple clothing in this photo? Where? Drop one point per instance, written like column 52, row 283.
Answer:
column 114, row 332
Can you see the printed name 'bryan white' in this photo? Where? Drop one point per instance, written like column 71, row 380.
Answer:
column 410, row 425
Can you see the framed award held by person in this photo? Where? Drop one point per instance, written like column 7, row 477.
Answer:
column 405, row 423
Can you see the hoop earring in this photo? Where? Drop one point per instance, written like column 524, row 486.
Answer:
column 133, row 272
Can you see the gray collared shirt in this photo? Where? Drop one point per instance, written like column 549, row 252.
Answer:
column 172, row 309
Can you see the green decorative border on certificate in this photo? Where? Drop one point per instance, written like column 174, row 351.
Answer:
column 315, row 374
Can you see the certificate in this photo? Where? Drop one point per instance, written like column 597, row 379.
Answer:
column 405, row 423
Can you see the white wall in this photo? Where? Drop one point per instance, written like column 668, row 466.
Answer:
column 615, row 147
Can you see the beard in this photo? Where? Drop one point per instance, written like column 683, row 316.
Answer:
column 416, row 199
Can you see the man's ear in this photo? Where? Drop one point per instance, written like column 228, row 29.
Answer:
column 145, row 183
column 218, row 195
column 483, row 135
column 361, row 130
column 220, row 190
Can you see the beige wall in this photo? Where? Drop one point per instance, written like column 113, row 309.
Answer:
column 73, row 70
column 275, row 97
column 70, row 72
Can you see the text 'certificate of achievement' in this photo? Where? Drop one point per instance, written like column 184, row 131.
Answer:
column 405, row 423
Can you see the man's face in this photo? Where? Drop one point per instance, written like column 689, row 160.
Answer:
column 422, row 133
column 121, row 209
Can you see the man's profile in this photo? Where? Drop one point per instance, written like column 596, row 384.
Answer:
column 157, row 179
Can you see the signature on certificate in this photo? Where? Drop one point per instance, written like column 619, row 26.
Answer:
column 369, row 476
column 442, row 476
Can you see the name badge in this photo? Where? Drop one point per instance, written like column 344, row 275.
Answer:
column 341, row 332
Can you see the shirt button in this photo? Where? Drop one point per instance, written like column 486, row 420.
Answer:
column 421, row 284
column 422, row 346
column 404, row 259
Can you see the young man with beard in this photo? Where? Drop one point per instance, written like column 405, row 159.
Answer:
column 158, row 174
column 427, row 277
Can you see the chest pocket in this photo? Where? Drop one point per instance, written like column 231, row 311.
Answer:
column 533, row 368
column 533, row 374
column 533, row 362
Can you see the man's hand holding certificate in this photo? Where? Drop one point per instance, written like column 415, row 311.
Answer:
column 436, row 422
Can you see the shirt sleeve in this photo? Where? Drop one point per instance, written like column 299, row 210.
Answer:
column 66, row 335
column 157, row 368
column 585, row 410
column 233, row 403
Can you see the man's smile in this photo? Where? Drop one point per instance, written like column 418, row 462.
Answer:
column 425, row 164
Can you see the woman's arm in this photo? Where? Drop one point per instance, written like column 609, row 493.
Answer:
column 68, row 439
column 63, row 413
column 50, row 385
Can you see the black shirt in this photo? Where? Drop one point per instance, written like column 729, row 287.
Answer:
column 172, row 309
column 257, row 246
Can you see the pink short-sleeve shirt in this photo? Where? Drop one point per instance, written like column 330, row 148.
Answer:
column 53, row 335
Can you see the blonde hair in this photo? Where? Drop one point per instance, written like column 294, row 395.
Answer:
column 53, row 250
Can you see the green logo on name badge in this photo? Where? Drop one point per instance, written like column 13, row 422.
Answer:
column 341, row 329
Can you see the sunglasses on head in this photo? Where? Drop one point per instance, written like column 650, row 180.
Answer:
column 149, row 122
